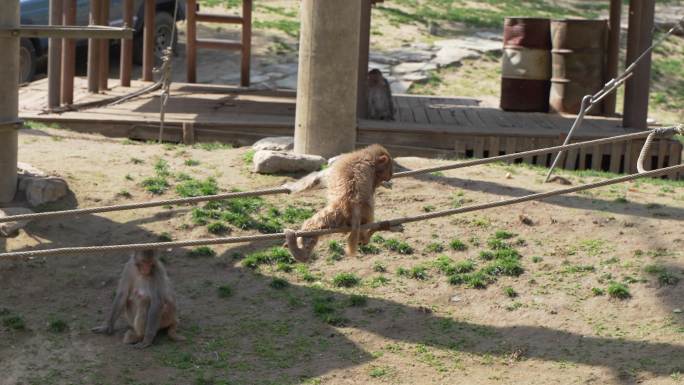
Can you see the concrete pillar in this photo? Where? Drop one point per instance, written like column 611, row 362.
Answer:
column 9, row 100
column 55, row 56
column 325, row 121
column 639, row 38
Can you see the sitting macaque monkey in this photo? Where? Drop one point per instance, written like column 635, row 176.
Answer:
column 380, row 104
column 351, row 184
column 145, row 293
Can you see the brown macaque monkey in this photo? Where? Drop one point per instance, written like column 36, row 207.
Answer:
column 380, row 104
column 145, row 293
column 351, row 183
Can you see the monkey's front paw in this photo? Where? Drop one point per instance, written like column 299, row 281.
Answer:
column 142, row 345
column 104, row 329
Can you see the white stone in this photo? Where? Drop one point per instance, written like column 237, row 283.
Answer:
column 448, row 56
column 11, row 229
column 40, row 190
column 405, row 68
column 412, row 55
column 27, row 169
column 497, row 36
column 400, row 87
column 258, row 78
column 275, row 143
column 415, row 77
column 471, row 42
column 269, row 162
column 382, row 58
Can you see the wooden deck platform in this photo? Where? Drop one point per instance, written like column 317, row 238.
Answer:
column 423, row 125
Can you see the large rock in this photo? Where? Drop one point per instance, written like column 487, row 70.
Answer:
column 275, row 143
column 289, row 82
column 269, row 162
column 42, row 189
column 11, row 229
column 448, row 56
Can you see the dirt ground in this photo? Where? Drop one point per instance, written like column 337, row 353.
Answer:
column 396, row 329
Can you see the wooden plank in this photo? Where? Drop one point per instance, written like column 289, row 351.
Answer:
column 596, row 156
column 418, row 110
column 663, row 147
column 511, row 146
column 675, row 159
column 404, row 110
column 616, row 150
column 433, row 115
column 460, row 148
column 628, row 157
column 474, row 119
column 571, row 159
column 494, row 146
column 582, row 158
column 478, row 147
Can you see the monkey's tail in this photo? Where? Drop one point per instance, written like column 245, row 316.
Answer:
column 354, row 235
column 298, row 253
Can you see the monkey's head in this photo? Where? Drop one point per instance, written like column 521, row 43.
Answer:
column 374, row 77
column 145, row 261
column 384, row 167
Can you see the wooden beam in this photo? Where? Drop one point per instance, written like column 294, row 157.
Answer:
column 639, row 38
column 68, row 55
column 224, row 44
column 215, row 18
column 148, row 40
column 69, row 32
column 613, row 52
column 93, row 50
column 126, row 64
column 246, row 43
column 364, row 51
column 55, row 56
column 191, row 44
column 104, row 47
column 9, row 101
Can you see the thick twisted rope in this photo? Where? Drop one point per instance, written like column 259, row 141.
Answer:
column 647, row 145
column 589, row 101
column 380, row 226
column 665, row 131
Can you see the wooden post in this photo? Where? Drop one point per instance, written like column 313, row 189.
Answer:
column 325, row 119
column 9, row 100
column 613, row 52
column 126, row 64
column 68, row 55
column 639, row 37
column 191, row 44
column 104, row 48
column 364, row 51
column 54, row 57
column 94, row 50
column 188, row 134
column 148, row 40
column 246, row 42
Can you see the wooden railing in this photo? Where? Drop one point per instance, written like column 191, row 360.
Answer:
column 245, row 45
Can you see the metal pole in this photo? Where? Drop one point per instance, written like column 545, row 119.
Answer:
column 9, row 100
column 148, row 41
column 246, row 42
column 126, row 65
column 54, row 56
column 191, row 41
column 94, row 50
column 364, row 50
column 104, row 48
column 639, row 38
column 68, row 55
column 613, row 52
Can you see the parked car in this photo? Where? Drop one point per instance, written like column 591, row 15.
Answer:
column 34, row 51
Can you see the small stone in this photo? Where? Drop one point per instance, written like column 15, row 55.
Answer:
column 275, row 143
column 11, row 229
column 40, row 190
column 269, row 162
column 27, row 169
column 455, row 299
column 415, row 77
column 382, row 58
column 560, row 180
column 525, row 220
column 677, row 311
column 509, row 175
column 405, row 68
column 424, row 309
column 448, row 56
column 413, row 55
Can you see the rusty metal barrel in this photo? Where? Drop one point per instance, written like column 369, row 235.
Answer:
column 578, row 58
column 526, row 64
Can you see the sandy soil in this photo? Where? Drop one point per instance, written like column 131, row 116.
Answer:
column 409, row 331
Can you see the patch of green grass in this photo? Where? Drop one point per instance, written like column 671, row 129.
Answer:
column 618, row 290
column 14, row 322
column 336, row 249
column 458, row 245
column 498, row 244
column 597, row 291
column 434, row 247
column 503, row 234
column 486, row 255
column 378, row 371
column 193, row 187
column 377, row 238
column 218, row 228
column 224, row 291
column 284, row 267
column 248, row 156
column 418, row 272
column 654, row 269
column 514, row 306
column 56, row 325
column 667, row 279
column 289, row 27
column 192, row 162
column 124, row 194
column 379, row 267
column 510, row 292
column 429, row 208
column 504, row 266
column 476, row 280
column 165, row 237
column 379, row 281
column 346, row 280
column 279, row 283
column 399, row 246
column 271, row 256
column 537, row 259
column 579, row 269
column 357, row 300
column 156, row 184
column 202, row 251
column 369, row 249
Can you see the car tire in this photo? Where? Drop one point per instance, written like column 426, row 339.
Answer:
column 27, row 61
column 163, row 23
